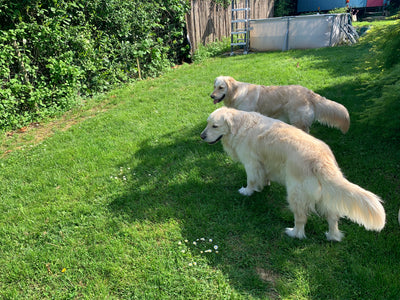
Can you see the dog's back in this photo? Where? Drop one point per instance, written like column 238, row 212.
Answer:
column 293, row 104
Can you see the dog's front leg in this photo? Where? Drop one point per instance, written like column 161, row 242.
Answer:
column 255, row 179
column 245, row 191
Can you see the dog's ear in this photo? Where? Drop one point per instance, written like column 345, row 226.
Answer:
column 230, row 84
column 228, row 81
column 230, row 118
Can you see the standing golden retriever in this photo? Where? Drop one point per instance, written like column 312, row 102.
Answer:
column 272, row 150
column 292, row 104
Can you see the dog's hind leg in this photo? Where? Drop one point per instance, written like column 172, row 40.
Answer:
column 334, row 234
column 297, row 231
column 302, row 118
column 298, row 207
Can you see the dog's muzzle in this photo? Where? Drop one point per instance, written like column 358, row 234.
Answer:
column 204, row 136
column 217, row 100
column 220, row 137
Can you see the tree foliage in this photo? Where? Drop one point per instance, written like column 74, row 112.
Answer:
column 53, row 51
column 285, row 8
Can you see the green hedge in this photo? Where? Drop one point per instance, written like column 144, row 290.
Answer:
column 52, row 52
column 385, row 90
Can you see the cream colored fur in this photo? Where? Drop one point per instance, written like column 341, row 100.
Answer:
column 292, row 104
column 273, row 150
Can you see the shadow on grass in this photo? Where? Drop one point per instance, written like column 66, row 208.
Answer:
column 176, row 176
column 181, row 178
column 343, row 60
column 338, row 61
column 185, row 179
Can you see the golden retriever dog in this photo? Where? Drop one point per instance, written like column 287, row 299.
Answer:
column 292, row 104
column 273, row 150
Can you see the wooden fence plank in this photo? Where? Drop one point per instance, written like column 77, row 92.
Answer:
column 208, row 22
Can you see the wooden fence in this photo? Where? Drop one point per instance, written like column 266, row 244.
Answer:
column 208, row 22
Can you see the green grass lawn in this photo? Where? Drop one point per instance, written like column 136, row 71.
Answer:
column 124, row 201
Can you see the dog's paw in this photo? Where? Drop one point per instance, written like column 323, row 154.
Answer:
column 294, row 233
column 245, row 191
column 334, row 236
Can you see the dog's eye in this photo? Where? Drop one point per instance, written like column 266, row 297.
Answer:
column 220, row 87
column 214, row 126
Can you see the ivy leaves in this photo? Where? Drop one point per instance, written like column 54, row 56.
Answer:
column 52, row 52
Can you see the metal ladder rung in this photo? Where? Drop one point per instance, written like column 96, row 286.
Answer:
column 239, row 21
column 240, row 33
column 240, row 9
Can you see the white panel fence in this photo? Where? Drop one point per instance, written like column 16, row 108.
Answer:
column 301, row 32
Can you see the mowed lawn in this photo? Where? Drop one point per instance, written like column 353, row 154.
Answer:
column 124, row 201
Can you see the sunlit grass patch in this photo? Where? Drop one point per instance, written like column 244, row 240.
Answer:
column 126, row 202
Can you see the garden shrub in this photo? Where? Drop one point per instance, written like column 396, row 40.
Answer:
column 52, row 52
column 385, row 46
column 384, row 91
column 285, row 8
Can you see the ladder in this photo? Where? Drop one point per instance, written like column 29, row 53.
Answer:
column 240, row 25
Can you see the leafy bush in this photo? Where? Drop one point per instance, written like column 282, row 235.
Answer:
column 384, row 91
column 339, row 10
column 53, row 51
column 212, row 49
column 385, row 52
column 285, row 8
column 394, row 6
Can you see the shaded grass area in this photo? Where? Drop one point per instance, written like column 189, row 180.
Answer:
column 103, row 209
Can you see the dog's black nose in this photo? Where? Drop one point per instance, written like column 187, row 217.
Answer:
column 212, row 96
column 203, row 135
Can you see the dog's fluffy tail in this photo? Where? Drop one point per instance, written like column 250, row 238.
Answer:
column 331, row 113
column 349, row 200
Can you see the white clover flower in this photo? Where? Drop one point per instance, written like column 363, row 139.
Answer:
column 202, row 239
column 190, row 264
column 194, row 243
column 179, row 243
column 216, row 252
column 186, row 241
column 210, row 240
column 194, row 263
column 208, row 251
column 183, row 251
